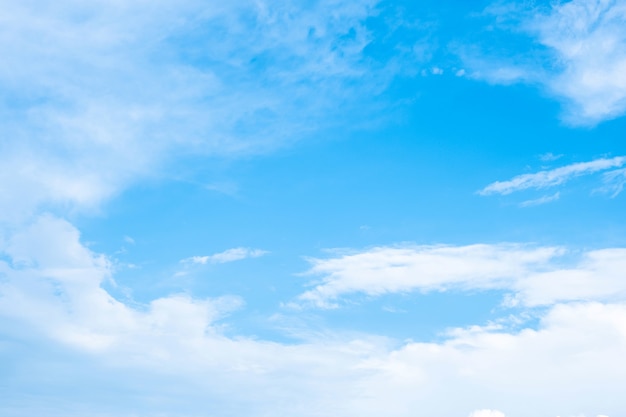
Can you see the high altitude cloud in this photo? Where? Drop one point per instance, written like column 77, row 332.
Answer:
column 171, row 356
column 553, row 177
column 229, row 255
column 100, row 94
column 614, row 181
column 533, row 275
column 585, row 66
column 541, row 200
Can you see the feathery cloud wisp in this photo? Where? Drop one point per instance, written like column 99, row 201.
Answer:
column 553, row 177
column 229, row 255
column 132, row 85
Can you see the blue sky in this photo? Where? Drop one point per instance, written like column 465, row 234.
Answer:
column 313, row 208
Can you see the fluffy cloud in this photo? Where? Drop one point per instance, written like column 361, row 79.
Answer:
column 54, row 283
column 589, row 40
column 518, row 372
column 585, row 64
column 170, row 356
column 533, row 275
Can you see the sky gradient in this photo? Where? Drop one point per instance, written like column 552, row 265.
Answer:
column 312, row 208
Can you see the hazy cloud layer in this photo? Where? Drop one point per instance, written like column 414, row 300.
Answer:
column 554, row 177
column 120, row 88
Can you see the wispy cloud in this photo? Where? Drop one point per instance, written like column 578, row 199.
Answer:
column 135, row 85
column 532, row 275
column 614, row 181
column 541, row 200
column 553, row 177
column 549, row 157
column 585, row 66
column 230, row 255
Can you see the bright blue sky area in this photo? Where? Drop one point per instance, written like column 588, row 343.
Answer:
column 314, row 208
column 413, row 178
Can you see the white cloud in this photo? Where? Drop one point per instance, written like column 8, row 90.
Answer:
column 614, row 181
column 589, row 39
column 549, row 157
column 597, row 275
column 518, row 372
column 586, row 65
column 173, row 349
column 53, row 276
column 534, row 275
column 541, row 200
column 553, row 177
column 230, row 255
column 422, row 268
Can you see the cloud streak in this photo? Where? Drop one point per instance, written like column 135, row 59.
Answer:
column 553, row 177
column 230, row 255
column 541, row 200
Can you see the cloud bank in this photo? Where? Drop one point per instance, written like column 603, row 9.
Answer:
column 176, row 350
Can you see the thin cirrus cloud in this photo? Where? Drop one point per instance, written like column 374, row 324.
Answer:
column 578, row 55
column 553, row 177
column 135, row 85
column 541, row 200
column 532, row 276
column 176, row 350
column 229, row 255
column 614, row 181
